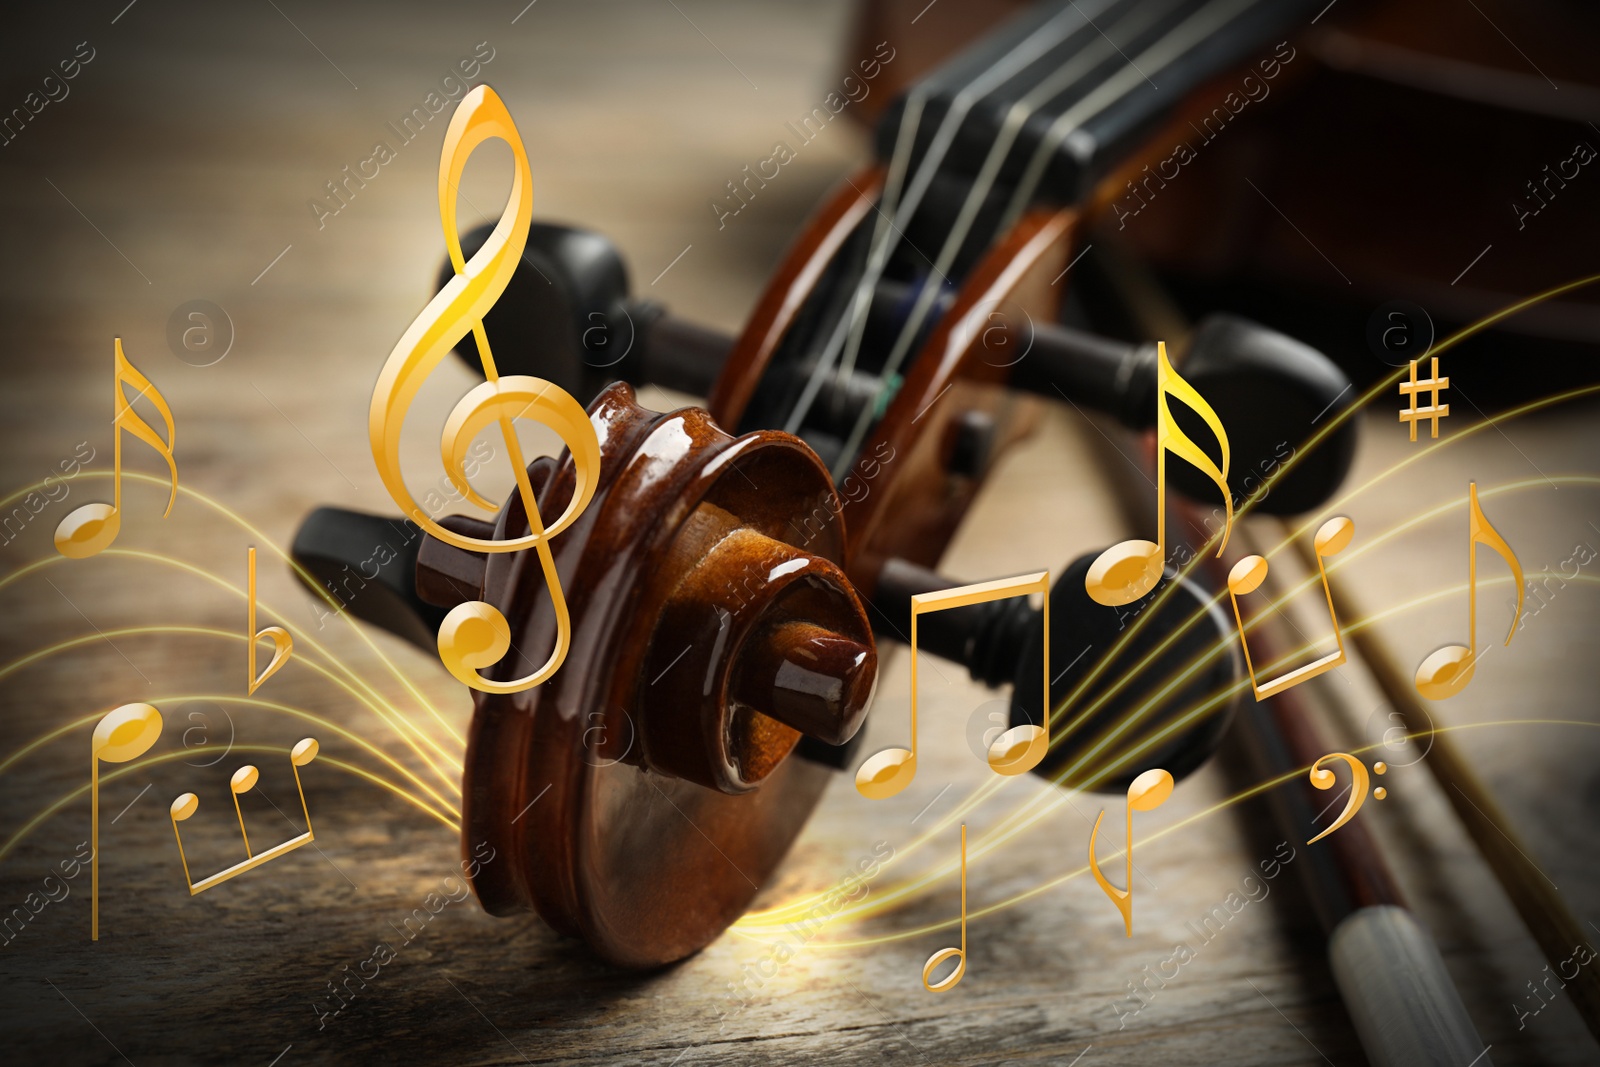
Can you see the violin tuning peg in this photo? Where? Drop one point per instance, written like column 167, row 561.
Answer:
column 566, row 317
column 556, row 319
column 1083, row 634
column 1271, row 392
column 367, row 564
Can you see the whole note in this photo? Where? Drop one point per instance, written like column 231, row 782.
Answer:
column 90, row 529
column 475, row 634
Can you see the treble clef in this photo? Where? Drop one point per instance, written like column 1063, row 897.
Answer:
column 475, row 634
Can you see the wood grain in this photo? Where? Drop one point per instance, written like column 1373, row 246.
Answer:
column 180, row 168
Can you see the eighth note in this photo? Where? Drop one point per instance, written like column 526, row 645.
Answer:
column 282, row 643
column 124, row 734
column 948, row 982
column 1127, row 571
column 1145, row 793
column 1019, row 749
column 90, row 529
column 1447, row 671
column 1333, row 537
column 244, row 780
column 1322, row 778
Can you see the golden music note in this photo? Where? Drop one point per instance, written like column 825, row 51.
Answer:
column 1127, row 571
column 1016, row 751
column 1247, row 575
column 282, row 643
column 91, row 528
column 243, row 780
column 1322, row 778
column 1145, row 793
column 948, row 982
column 1446, row 672
column 475, row 634
column 124, row 734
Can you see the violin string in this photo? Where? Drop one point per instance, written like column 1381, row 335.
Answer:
column 898, row 214
column 1194, row 30
column 1171, row 47
column 1082, row 64
column 1024, row 54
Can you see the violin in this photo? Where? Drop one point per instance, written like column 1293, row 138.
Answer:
column 1328, row 182
column 737, row 566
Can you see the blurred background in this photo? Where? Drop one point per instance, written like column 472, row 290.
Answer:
column 185, row 165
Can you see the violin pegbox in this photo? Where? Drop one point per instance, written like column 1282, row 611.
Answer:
column 639, row 797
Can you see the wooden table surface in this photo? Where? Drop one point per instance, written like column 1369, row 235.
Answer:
column 180, row 167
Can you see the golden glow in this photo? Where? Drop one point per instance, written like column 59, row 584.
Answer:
column 360, row 772
column 59, row 731
column 393, row 716
column 772, row 922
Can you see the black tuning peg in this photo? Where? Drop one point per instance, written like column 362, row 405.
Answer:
column 368, row 564
column 566, row 317
column 1001, row 643
column 1270, row 391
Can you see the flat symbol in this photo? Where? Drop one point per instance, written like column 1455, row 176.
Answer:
column 1433, row 411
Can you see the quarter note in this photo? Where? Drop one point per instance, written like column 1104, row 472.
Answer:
column 282, row 643
column 243, row 780
column 124, row 734
column 475, row 634
column 1145, row 793
column 1127, row 571
column 1447, row 671
column 949, row 981
column 1016, row 751
column 1333, row 537
column 1322, row 778
column 90, row 529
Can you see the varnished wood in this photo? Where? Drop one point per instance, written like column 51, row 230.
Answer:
column 679, row 564
column 795, row 279
column 961, row 369
column 220, row 130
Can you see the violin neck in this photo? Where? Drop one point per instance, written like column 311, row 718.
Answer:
column 1054, row 99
